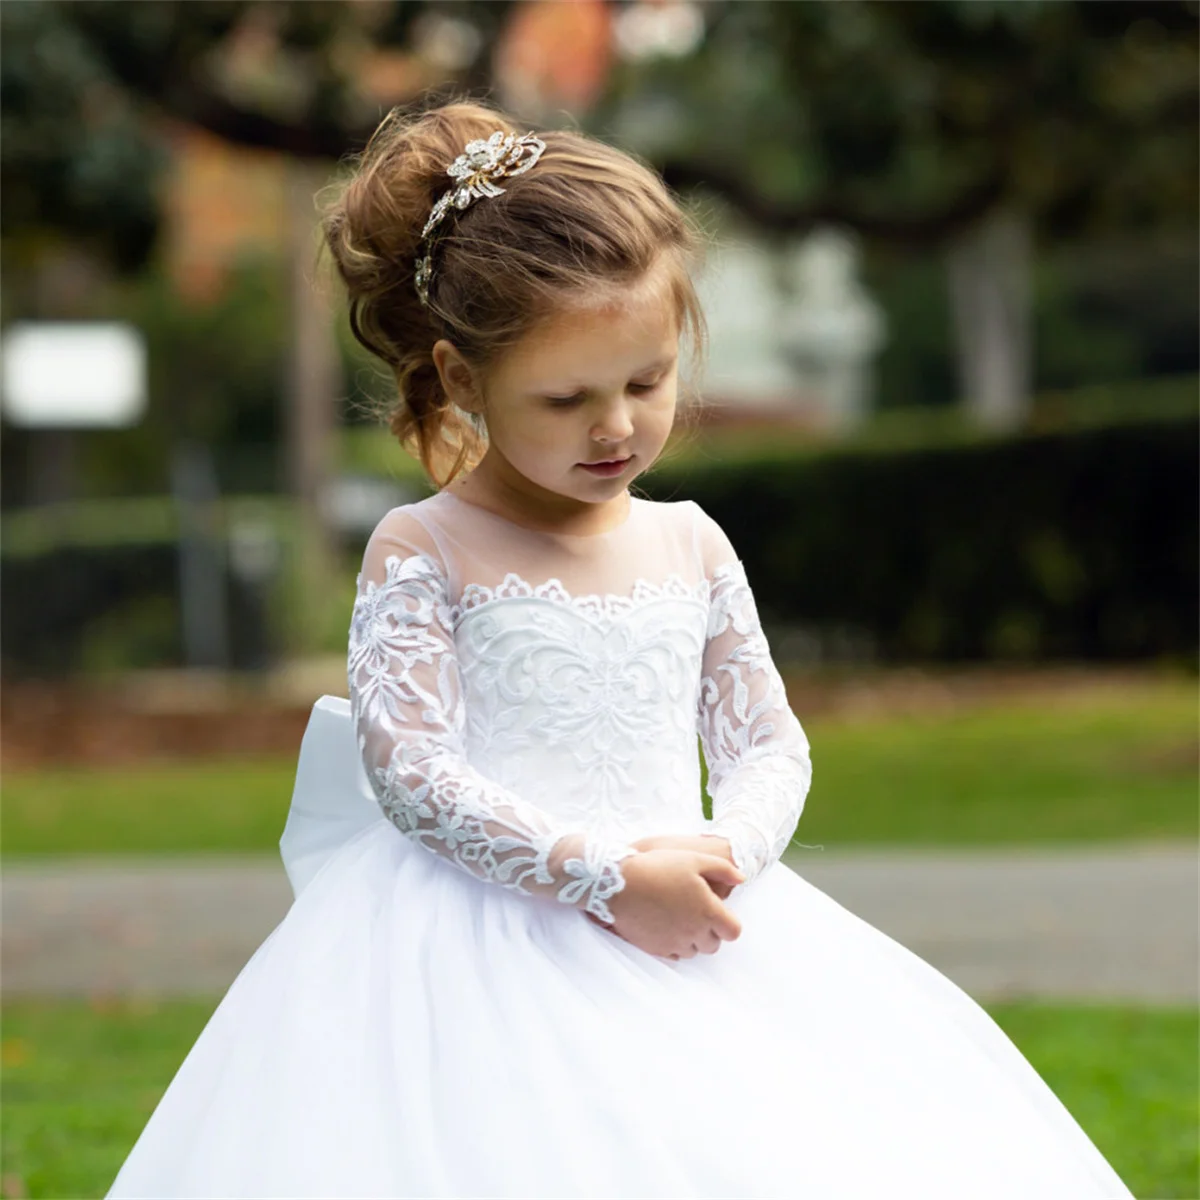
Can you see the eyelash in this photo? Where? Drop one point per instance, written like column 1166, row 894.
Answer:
column 639, row 389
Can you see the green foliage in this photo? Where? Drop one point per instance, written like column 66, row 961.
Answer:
column 141, row 632
column 909, row 122
column 1116, row 310
column 1073, row 544
column 1085, row 522
column 916, row 367
column 1114, row 313
column 370, row 449
column 129, row 521
column 905, row 121
column 921, row 429
column 81, row 1078
column 95, row 586
column 216, row 377
column 76, row 155
column 1113, row 764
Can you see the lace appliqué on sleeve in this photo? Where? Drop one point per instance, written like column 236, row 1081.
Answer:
column 406, row 699
column 759, row 769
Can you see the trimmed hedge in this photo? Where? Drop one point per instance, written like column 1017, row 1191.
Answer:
column 109, row 608
column 1076, row 543
column 1067, row 545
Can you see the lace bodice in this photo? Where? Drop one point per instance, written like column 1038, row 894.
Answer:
column 527, row 704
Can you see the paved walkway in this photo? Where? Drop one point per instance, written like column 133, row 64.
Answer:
column 1114, row 924
column 1119, row 923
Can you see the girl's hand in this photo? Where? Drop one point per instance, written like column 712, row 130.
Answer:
column 669, row 906
column 706, row 843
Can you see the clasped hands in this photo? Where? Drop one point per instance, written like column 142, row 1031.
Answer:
column 672, row 902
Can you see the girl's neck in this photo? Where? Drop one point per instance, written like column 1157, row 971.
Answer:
column 495, row 486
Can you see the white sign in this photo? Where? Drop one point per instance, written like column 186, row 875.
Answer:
column 89, row 375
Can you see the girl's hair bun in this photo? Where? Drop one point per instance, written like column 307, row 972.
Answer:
column 373, row 230
column 584, row 215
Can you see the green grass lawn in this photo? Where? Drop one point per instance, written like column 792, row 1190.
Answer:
column 80, row 1079
column 1105, row 765
column 1130, row 1077
column 227, row 804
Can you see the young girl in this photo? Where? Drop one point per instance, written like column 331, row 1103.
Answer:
column 529, row 966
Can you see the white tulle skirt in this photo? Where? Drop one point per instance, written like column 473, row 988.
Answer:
column 408, row 1031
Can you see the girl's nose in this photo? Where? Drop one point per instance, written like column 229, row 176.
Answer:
column 615, row 425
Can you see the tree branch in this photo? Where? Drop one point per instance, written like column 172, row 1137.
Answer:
column 929, row 229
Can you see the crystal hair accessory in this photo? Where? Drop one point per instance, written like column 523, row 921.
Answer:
column 475, row 172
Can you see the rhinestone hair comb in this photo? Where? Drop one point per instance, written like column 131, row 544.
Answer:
column 475, row 172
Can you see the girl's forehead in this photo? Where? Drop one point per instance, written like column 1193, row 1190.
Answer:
column 592, row 341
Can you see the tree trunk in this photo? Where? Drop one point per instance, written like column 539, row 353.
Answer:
column 990, row 295
column 65, row 279
column 310, row 420
column 202, row 567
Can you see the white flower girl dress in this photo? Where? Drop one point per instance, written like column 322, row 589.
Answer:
column 420, row 1024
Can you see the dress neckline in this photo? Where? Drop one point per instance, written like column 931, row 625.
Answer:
column 552, row 533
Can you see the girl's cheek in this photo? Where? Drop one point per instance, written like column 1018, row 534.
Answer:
column 665, row 418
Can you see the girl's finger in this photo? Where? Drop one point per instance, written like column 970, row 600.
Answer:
column 727, row 926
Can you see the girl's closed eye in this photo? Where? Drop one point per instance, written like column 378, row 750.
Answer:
column 638, row 389
column 641, row 388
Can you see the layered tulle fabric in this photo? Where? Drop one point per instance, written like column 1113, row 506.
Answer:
column 409, row 1031
column 442, row 1013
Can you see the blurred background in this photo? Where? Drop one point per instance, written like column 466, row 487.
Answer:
column 949, row 419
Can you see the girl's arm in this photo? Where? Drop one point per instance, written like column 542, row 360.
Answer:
column 759, row 768
column 406, row 700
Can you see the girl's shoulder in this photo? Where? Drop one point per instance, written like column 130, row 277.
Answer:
column 402, row 549
column 688, row 521
column 407, row 527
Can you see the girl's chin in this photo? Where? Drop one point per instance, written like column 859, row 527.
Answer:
column 582, row 487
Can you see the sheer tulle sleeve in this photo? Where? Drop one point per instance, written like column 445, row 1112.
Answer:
column 759, row 768
column 407, row 703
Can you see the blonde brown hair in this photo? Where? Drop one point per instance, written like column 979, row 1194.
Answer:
column 586, row 217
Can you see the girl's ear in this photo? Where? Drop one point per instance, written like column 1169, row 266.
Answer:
column 458, row 379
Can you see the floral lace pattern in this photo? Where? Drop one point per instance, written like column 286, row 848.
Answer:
column 589, row 715
column 757, row 753
column 528, row 735
column 598, row 607
column 406, row 699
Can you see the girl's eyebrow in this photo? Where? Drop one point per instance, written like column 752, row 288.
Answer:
column 658, row 365
column 572, row 389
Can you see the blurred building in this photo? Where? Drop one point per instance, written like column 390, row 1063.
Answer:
column 793, row 333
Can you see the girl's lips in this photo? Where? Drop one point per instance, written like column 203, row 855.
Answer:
column 608, row 466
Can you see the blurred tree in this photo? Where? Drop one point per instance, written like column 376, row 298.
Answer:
column 907, row 120
column 971, row 127
column 79, row 170
column 286, row 75
column 910, row 121
column 76, row 157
